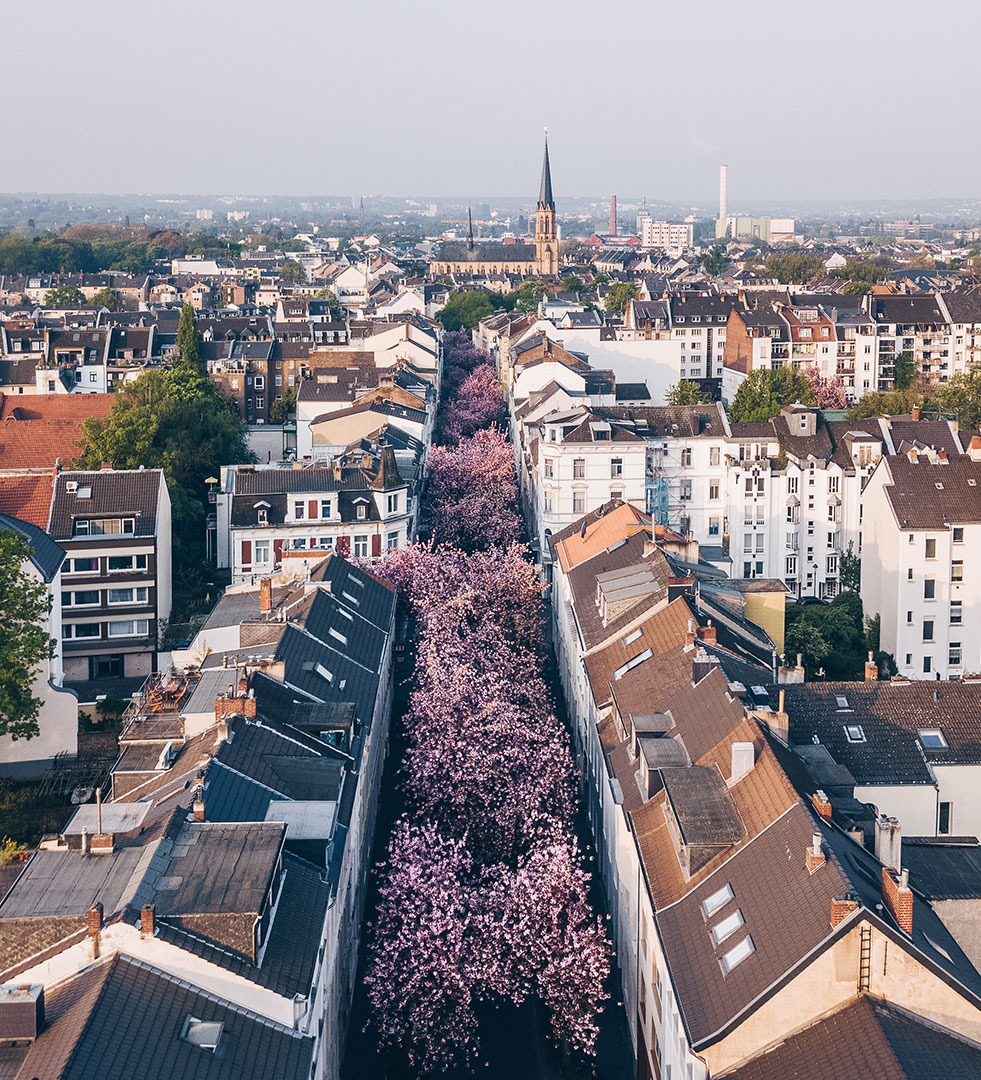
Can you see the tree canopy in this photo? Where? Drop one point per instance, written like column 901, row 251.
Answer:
column 464, row 310
column 337, row 312
column 177, row 421
column 283, row 407
column 905, row 371
column 685, row 393
column 291, row 273
column 24, row 642
column 64, row 296
column 620, row 294
column 763, row 393
column 714, row 263
column 105, row 298
column 793, row 267
column 187, row 338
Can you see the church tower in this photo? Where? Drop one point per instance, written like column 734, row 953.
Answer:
column 546, row 236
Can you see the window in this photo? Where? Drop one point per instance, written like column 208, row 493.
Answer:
column 956, row 611
column 361, row 546
column 362, row 511
column 714, row 455
column 325, row 543
column 833, row 485
column 714, row 525
column 578, row 502
column 121, row 563
column 549, row 468
column 686, row 456
column 930, row 551
column 716, row 901
column 929, row 588
column 633, row 636
column 927, row 665
column 127, row 596
column 199, row 1033
column 260, row 382
column 82, row 566
column 578, row 468
column 713, row 491
column 262, row 551
column 82, row 630
column 393, row 504
column 102, row 526
column 737, row 954
column 260, row 402
column 298, row 509
column 909, row 574
column 616, row 467
column 909, row 618
column 729, row 925
column 854, row 733
column 831, row 564
column 957, row 570
column 262, row 516
column 928, row 629
column 932, row 739
column 943, row 819
column 392, row 540
column 958, row 537
column 954, row 654
column 80, row 598
column 792, row 485
column 129, row 628
column 686, row 490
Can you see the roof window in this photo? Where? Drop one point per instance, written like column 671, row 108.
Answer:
column 202, row 1033
column 932, row 739
column 337, row 635
column 854, row 733
column 737, row 954
column 323, row 672
column 842, row 701
column 729, row 925
column 630, row 664
column 633, row 636
column 717, row 900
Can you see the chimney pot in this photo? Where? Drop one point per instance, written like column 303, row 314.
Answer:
column 743, row 758
column 265, row 594
column 199, row 808
column 898, row 898
column 822, row 804
column 814, row 857
column 146, row 920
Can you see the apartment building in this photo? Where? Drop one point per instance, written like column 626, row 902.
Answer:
column 115, row 529
column 922, row 518
column 667, row 236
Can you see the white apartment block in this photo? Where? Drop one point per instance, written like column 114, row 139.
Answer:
column 673, row 238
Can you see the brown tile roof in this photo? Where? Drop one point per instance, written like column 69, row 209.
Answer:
column 32, row 444
column 867, row 1038
column 75, row 407
column 27, row 496
column 919, row 503
column 114, row 493
column 604, row 526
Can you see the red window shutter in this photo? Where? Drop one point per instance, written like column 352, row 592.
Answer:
column 313, row 541
column 344, row 545
column 312, row 507
column 277, row 552
column 376, row 544
column 246, row 552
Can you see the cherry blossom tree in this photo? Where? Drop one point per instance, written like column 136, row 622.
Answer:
column 829, row 393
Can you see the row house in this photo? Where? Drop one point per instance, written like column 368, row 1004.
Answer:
column 361, row 508
column 741, row 915
column 115, row 529
column 921, row 518
column 216, row 899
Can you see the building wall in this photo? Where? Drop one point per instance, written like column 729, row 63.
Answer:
column 914, row 805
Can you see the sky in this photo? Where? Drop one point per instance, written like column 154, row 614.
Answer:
column 449, row 97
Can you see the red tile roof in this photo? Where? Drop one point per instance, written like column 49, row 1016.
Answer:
column 36, row 430
column 54, row 406
column 27, row 496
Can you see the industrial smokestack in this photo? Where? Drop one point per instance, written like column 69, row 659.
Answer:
column 613, row 215
column 723, row 192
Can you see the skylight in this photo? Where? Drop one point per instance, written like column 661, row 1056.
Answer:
column 932, row 739
column 633, row 636
column 737, row 954
column 717, row 900
column 354, row 600
column 347, row 614
column 202, row 1033
column 323, row 672
column 631, row 664
column 337, row 636
column 729, row 925
column 854, row 733
column 842, row 701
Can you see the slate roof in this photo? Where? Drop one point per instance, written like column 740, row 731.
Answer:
column 868, row 1038
column 46, row 556
column 944, row 867
column 314, row 478
column 486, row 252
column 121, row 1018
column 115, row 493
column 919, row 503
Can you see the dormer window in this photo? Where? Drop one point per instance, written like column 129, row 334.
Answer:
column 932, row 739
column 362, row 511
column 263, row 517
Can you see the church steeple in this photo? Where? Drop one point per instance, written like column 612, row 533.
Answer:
column 469, row 230
column 545, row 200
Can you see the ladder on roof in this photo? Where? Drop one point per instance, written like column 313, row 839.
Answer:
column 865, row 958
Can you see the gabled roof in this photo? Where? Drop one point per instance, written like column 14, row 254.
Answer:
column 27, row 496
column 46, row 556
column 595, row 532
column 111, row 493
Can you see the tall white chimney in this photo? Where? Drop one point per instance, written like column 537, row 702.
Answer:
column 723, row 191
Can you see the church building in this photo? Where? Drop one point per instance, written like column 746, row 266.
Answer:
column 539, row 256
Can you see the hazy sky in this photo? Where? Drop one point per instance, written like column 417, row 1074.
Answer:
column 443, row 97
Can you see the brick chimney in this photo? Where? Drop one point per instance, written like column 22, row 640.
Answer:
column 229, row 705
column 915, row 412
column 707, row 633
column 690, row 635
column 198, row 806
column 814, row 857
column 822, row 804
column 265, row 594
column 103, row 843
column 842, row 907
column 93, row 927
column 871, row 669
column 898, row 897
column 146, row 920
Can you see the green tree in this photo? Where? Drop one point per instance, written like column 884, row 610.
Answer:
column 283, row 407
column 573, row 283
column 870, row 271
column 714, row 263
column 851, row 569
column 857, row 288
column 337, row 312
column 960, row 398
column 905, row 371
column 10, row 851
column 620, row 294
column 464, row 310
column 764, row 393
column 64, row 296
column 291, row 273
column 831, row 636
column 24, row 642
column 187, row 338
column 886, row 403
column 178, row 421
column 105, row 298
column 685, row 393
column 793, row 267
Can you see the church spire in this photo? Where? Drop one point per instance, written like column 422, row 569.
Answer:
column 469, row 230
column 545, row 200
